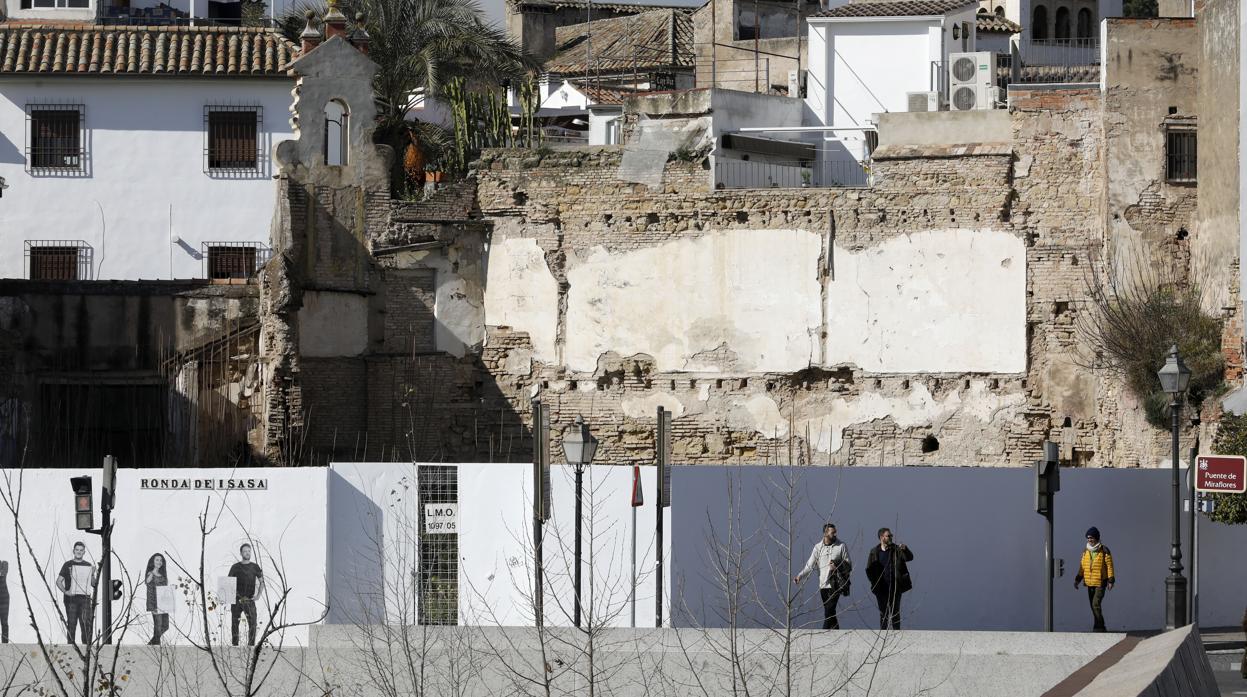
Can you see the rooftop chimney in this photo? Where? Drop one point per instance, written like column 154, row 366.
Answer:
column 359, row 35
column 335, row 22
column 311, row 36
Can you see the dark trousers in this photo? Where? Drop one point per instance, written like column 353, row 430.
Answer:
column 830, row 599
column 1096, row 597
column 78, row 612
column 160, row 625
column 247, row 607
column 889, row 606
column 4, row 613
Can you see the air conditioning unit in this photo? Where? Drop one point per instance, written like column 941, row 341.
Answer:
column 923, row 101
column 970, row 76
column 796, row 83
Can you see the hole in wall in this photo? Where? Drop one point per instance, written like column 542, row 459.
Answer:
column 930, row 444
column 905, row 384
column 519, row 198
column 1173, row 110
column 1067, row 422
column 651, row 218
column 1182, row 234
column 571, row 385
column 742, row 217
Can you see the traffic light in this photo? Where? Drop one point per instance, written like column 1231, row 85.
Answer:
column 1047, row 478
column 83, row 510
column 116, row 590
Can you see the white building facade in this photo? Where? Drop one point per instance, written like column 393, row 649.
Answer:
column 866, row 57
column 139, row 153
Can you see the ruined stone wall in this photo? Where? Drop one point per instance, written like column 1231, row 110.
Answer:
column 572, row 240
column 927, row 319
column 731, row 401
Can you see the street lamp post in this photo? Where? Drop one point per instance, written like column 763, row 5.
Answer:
column 1174, row 378
column 578, row 446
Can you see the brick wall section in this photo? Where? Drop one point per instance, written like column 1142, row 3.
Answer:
column 335, row 399
column 408, row 310
column 453, row 202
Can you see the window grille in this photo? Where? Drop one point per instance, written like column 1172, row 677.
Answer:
column 437, row 583
column 1180, row 156
column 56, row 4
column 58, row 260
column 54, row 138
column 223, row 260
column 232, row 140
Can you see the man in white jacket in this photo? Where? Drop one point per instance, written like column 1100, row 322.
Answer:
column 831, row 557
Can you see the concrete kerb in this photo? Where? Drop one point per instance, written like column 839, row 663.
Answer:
column 1173, row 664
column 667, row 661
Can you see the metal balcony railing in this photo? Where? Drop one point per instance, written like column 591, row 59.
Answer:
column 745, row 174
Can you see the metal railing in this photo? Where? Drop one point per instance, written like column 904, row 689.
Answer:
column 233, row 260
column 58, row 260
column 1059, row 60
column 746, row 174
column 56, row 139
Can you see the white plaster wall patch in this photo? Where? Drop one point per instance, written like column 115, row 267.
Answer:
column 735, row 300
column 917, row 408
column 521, row 293
column 931, row 302
column 647, row 407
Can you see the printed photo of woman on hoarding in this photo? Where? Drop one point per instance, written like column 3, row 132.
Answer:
column 157, row 577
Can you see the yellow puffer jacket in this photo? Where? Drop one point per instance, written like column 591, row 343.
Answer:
column 1099, row 572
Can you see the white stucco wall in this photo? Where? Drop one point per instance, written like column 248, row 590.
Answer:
column 755, row 291
column 521, row 293
column 751, row 301
column 874, row 64
column 333, row 324
column 144, row 181
column 916, row 304
column 600, row 125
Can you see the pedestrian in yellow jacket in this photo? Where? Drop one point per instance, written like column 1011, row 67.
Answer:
column 1096, row 570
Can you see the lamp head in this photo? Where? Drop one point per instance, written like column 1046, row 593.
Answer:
column 579, row 445
column 1174, row 375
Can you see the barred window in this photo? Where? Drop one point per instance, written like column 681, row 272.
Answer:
column 231, row 261
column 1180, row 156
column 55, row 137
column 232, row 138
column 57, row 261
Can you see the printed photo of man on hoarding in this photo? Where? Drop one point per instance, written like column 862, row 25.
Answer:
column 76, row 579
column 249, row 578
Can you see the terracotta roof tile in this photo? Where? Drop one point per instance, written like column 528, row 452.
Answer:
column 986, row 21
column 643, row 41
column 603, row 95
column 905, row 8
column 158, row 50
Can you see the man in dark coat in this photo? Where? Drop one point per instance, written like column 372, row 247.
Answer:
column 888, row 573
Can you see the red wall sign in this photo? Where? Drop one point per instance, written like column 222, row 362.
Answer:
column 1221, row 473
